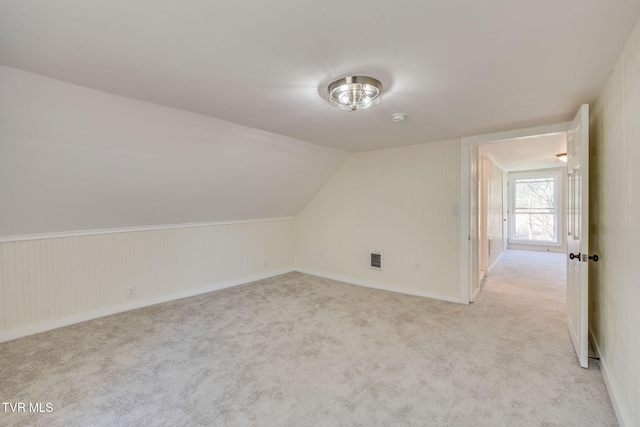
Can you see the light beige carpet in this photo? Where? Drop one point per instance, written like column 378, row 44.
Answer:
column 297, row 350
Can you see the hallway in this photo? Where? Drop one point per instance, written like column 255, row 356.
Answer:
column 535, row 276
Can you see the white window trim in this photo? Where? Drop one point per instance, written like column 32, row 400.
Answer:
column 558, row 175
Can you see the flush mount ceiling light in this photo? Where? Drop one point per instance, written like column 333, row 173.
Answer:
column 562, row 157
column 355, row 93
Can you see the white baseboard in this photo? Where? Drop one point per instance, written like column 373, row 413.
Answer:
column 612, row 389
column 107, row 311
column 540, row 248
column 475, row 294
column 368, row 284
column 491, row 267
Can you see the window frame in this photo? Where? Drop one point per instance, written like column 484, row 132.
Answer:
column 558, row 177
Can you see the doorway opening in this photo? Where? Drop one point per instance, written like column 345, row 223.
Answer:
column 576, row 215
column 515, row 187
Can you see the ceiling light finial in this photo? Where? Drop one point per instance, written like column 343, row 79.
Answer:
column 355, row 93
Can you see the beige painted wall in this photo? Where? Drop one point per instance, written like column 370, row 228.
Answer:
column 398, row 200
column 48, row 283
column 615, row 232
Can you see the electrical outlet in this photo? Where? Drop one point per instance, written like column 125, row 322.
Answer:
column 324, row 255
column 418, row 266
column 265, row 263
column 131, row 292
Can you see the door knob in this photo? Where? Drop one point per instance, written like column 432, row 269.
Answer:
column 585, row 257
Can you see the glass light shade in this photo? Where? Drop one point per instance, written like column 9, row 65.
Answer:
column 562, row 157
column 355, row 93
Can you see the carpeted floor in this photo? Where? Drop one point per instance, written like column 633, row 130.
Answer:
column 298, row 350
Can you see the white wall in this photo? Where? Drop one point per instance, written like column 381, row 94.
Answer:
column 47, row 283
column 397, row 200
column 490, row 212
column 615, row 232
column 483, row 220
column 494, row 210
column 73, row 158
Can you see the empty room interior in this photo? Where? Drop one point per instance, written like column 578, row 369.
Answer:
column 319, row 213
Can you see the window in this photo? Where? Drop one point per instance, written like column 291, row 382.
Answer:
column 535, row 208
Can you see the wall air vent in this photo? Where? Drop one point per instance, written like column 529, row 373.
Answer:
column 376, row 259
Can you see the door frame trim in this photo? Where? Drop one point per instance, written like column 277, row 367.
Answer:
column 468, row 244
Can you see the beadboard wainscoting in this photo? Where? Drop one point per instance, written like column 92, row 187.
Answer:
column 56, row 281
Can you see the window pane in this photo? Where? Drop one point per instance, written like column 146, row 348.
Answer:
column 535, row 195
column 535, row 226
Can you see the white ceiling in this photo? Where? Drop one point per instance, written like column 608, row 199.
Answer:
column 527, row 153
column 456, row 67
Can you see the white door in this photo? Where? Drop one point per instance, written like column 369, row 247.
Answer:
column 474, row 289
column 505, row 211
column 578, row 234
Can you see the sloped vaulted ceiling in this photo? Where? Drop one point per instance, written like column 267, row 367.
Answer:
column 73, row 159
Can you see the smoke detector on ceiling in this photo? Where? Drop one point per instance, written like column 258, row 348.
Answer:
column 398, row 117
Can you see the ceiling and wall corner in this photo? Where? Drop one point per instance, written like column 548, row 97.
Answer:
column 456, row 68
column 531, row 153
